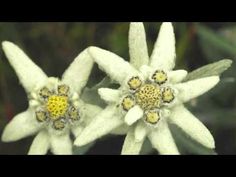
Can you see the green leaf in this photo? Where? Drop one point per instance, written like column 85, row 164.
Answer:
column 213, row 69
column 213, row 43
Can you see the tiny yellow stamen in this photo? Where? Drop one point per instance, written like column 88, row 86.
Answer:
column 63, row 90
column 160, row 77
column 128, row 103
column 152, row 117
column 45, row 92
column 168, row 95
column 57, row 106
column 59, row 124
column 148, row 96
column 41, row 116
column 73, row 114
column 134, row 83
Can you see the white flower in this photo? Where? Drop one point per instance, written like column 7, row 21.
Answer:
column 151, row 95
column 55, row 108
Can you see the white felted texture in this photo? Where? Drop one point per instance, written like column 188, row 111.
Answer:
column 21, row 126
column 90, row 112
column 41, row 144
column 192, row 89
column 102, row 124
column 109, row 95
column 61, row 144
column 130, row 146
column 177, row 76
column 133, row 115
column 192, row 126
column 140, row 131
column 77, row 74
column 163, row 141
column 137, row 45
column 163, row 55
column 29, row 74
column 115, row 67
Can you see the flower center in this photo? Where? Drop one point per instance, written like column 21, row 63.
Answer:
column 57, row 109
column 57, row 106
column 149, row 96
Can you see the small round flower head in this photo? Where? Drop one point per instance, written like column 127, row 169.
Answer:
column 151, row 95
column 55, row 107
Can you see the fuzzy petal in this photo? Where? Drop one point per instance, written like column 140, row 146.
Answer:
column 192, row 126
column 121, row 130
column 21, row 126
column 91, row 111
column 109, row 95
column 177, row 76
column 163, row 141
column 116, row 67
column 131, row 146
column 140, row 132
column 77, row 130
column 103, row 124
column 137, row 45
column 61, row 144
column 163, row 55
column 29, row 74
column 40, row 145
column 79, row 71
column 195, row 88
column 133, row 115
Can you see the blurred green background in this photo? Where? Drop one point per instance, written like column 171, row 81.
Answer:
column 57, row 44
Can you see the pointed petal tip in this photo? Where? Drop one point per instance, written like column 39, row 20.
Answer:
column 4, row 43
column 92, row 49
column 167, row 25
column 136, row 24
column 7, row 44
column 4, row 137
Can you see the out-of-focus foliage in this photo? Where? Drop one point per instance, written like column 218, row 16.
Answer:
column 57, row 44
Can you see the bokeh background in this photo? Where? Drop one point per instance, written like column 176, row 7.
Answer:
column 53, row 46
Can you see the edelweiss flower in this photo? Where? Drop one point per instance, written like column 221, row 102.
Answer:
column 151, row 95
column 54, row 105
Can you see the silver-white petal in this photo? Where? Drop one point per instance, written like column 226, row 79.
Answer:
column 140, row 131
column 91, row 111
column 116, row 67
column 131, row 146
column 41, row 144
column 177, row 76
column 163, row 141
column 77, row 130
column 77, row 74
column 192, row 126
column 192, row 89
column 109, row 95
column 21, row 126
column 121, row 130
column 61, row 144
column 29, row 74
column 163, row 55
column 137, row 45
column 133, row 115
column 102, row 124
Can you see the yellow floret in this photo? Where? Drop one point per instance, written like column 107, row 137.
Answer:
column 57, row 106
column 134, row 83
column 152, row 117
